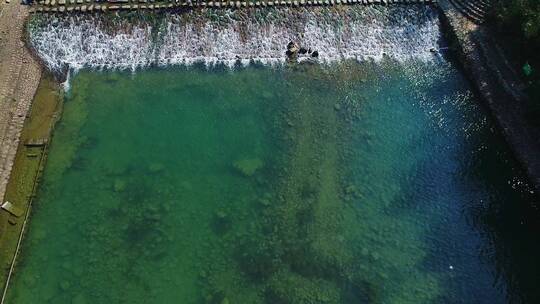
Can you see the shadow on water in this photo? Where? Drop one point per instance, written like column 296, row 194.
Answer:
column 510, row 219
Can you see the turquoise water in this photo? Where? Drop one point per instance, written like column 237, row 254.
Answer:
column 353, row 183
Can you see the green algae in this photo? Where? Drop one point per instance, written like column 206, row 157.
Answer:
column 248, row 166
column 303, row 184
column 28, row 165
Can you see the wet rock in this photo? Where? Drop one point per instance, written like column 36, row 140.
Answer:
column 292, row 49
column 290, row 54
column 291, row 45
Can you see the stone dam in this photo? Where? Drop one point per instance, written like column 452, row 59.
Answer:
column 113, row 5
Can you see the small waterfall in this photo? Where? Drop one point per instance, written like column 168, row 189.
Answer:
column 66, row 84
column 228, row 37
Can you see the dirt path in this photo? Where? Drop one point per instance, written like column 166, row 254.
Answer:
column 19, row 77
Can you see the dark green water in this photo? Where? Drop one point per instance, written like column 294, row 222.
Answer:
column 371, row 183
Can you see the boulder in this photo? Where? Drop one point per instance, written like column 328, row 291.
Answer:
column 292, row 47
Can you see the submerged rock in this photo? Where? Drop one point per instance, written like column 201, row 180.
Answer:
column 264, row 202
column 248, row 166
column 221, row 214
column 221, row 223
column 79, row 299
column 119, row 185
column 156, row 167
column 65, row 285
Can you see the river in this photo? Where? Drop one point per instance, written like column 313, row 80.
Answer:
column 377, row 180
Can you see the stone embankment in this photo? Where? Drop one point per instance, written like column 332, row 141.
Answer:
column 20, row 74
column 499, row 86
column 112, row 5
column 19, row 77
column 475, row 10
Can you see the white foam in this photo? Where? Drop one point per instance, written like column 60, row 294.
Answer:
column 361, row 33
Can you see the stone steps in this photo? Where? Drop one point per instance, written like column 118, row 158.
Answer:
column 105, row 5
column 475, row 10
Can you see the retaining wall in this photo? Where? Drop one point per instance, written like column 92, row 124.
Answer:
column 113, row 5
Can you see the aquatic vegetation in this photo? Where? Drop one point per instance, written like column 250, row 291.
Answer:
column 75, row 118
column 248, row 166
column 303, row 184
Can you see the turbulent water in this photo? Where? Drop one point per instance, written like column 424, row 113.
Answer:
column 228, row 37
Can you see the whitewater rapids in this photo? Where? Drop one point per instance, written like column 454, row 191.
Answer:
column 230, row 37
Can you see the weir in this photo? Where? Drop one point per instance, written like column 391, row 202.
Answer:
column 232, row 37
column 114, row 5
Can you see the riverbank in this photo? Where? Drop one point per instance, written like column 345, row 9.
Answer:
column 499, row 86
column 20, row 74
column 26, row 170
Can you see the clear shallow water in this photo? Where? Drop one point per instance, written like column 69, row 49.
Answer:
column 353, row 183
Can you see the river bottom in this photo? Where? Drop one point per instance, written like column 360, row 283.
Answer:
column 351, row 183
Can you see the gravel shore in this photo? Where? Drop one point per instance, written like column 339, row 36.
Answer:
column 20, row 74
